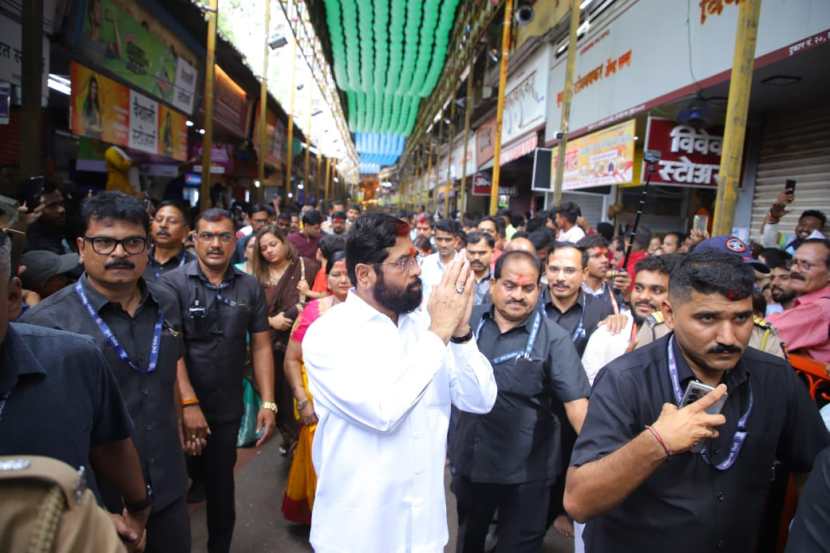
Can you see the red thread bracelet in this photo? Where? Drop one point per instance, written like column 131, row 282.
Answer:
column 659, row 439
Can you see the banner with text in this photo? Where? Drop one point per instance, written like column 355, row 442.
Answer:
column 688, row 156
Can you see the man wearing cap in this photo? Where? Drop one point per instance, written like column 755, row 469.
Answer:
column 47, row 272
column 168, row 230
column 764, row 337
column 804, row 327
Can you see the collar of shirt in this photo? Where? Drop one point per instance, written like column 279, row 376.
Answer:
column 732, row 378
column 175, row 260
column 547, row 301
column 16, row 359
column 590, row 291
column 813, row 297
column 98, row 301
column 484, row 278
column 193, row 269
column 490, row 315
column 363, row 312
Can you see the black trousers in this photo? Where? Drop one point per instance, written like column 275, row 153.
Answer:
column 214, row 467
column 168, row 530
column 522, row 511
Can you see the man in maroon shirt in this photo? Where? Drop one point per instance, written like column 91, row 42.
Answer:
column 307, row 239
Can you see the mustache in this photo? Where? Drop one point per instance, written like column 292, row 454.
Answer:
column 162, row 232
column 517, row 302
column 721, row 348
column 796, row 276
column 215, row 250
column 646, row 304
column 120, row 264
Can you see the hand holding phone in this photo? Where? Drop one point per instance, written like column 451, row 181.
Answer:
column 683, row 427
column 789, row 187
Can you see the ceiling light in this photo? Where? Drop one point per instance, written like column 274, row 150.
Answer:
column 201, row 131
column 257, row 184
column 59, row 83
column 494, row 55
column 189, row 123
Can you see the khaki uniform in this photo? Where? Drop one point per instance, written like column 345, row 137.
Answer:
column 47, row 508
column 763, row 337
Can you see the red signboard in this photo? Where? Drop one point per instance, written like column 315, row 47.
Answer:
column 688, row 156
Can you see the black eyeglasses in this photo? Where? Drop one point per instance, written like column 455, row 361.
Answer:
column 104, row 245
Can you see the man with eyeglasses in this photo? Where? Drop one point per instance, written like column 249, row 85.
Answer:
column 138, row 327
column 383, row 379
column 652, row 472
column 220, row 306
column 168, row 230
column 804, row 327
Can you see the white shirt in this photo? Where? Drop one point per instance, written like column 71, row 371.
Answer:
column 432, row 271
column 603, row 347
column 573, row 234
column 382, row 394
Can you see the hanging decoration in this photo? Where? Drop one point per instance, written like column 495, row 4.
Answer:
column 387, row 56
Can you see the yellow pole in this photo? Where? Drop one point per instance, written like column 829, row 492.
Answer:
column 564, row 123
column 468, row 113
column 737, row 107
column 289, row 160
column 318, row 190
column 207, row 139
column 307, row 158
column 449, row 159
column 263, row 99
column 328, row 180
column 505, row 53
column 429, row 176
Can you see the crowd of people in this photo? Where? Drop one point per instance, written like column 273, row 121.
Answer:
column 548, row 363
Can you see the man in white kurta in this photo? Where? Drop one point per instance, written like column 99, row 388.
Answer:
column 383, row 383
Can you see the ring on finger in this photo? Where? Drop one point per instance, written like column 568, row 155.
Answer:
column 459, row 289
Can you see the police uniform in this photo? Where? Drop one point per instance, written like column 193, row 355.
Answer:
column 763, row 338
column 38, row 490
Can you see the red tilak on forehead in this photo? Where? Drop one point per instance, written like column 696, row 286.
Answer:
column 732, row 295
column 412, row 251
column 523, row 280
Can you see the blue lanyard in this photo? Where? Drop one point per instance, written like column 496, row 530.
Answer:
column 158, row 271
column 155, row 345
column 521, row 354
column 218, row 289
column 740, row 432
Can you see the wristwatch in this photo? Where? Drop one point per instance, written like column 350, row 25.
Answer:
column 139, row 506
column 270, row 405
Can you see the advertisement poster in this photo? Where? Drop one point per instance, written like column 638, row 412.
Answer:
column 599, row 159
column 100, row 106
column 110, row 112
column 120, row 37
column 688, row 156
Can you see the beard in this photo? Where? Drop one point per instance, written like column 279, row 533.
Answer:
column 782, row 296
column 399, row 302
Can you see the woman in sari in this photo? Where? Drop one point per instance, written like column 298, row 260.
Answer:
column 280, row 271
column 298, row 499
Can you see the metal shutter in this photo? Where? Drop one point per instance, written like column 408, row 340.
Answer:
column 794, row 146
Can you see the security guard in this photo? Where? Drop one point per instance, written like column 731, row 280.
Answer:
column 39, row 491
column 763, row 336
column 168, row 230
column 138, row 328
column 221, row 306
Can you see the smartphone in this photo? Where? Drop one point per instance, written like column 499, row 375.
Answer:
column 701, row 223
column 8, row 211
column 696, row 390
column 33, row 190
column 789, row 186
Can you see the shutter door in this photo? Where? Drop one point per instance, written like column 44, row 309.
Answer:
column 794, row 146
column 591, row 205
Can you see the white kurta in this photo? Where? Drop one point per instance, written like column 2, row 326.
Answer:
column 382, row 394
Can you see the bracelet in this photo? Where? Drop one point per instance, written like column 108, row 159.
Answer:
column 659, row 439
column 462, row 339
column 301, row 404
column 190, row 401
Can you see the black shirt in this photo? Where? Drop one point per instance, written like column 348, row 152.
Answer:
column 155, row 269
column 150, row 397
column 62, row 398
column 580, row 321
column 216, row 324
column 40, row 236
column 518, row 440
column 687, row 505
column 810, row 532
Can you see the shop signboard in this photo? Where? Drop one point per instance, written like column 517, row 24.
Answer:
column 485, row 140
column 458, row 158
column 524, row 100
column 108, row 111
column 601, row 158
column 626, row 63
column 230, row 104
column 120, row 37
column 11, row 54
column 221, row 158
column 481, row 185
column 688, row 156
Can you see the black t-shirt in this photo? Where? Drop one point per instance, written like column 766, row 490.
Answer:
column 518, row 441
column 150, row 397
column 61, row 397
column 216, row 322
column 687, row 505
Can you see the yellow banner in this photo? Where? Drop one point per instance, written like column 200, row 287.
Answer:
column 601, row 158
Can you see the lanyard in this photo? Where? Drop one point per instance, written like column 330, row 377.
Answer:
column 218, row 289
column 579, row 332
column 520, row 354
column 155, row 345
column 740, row 432
column 158, row 270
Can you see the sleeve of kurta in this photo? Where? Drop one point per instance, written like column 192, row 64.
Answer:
column 769, row 235
column 472, row 384
column 356, row 384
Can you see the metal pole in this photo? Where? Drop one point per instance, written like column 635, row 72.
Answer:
column 263, row 98
column 328, row 180
column 564, row 123
column 31, row 155
column 736, row 112
column 468, row 113
column 289, row 157
column 429, row 177
column 318, row 190
column 307, row 157
column 449, row 158
column 207, row 139
column 505, row 53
